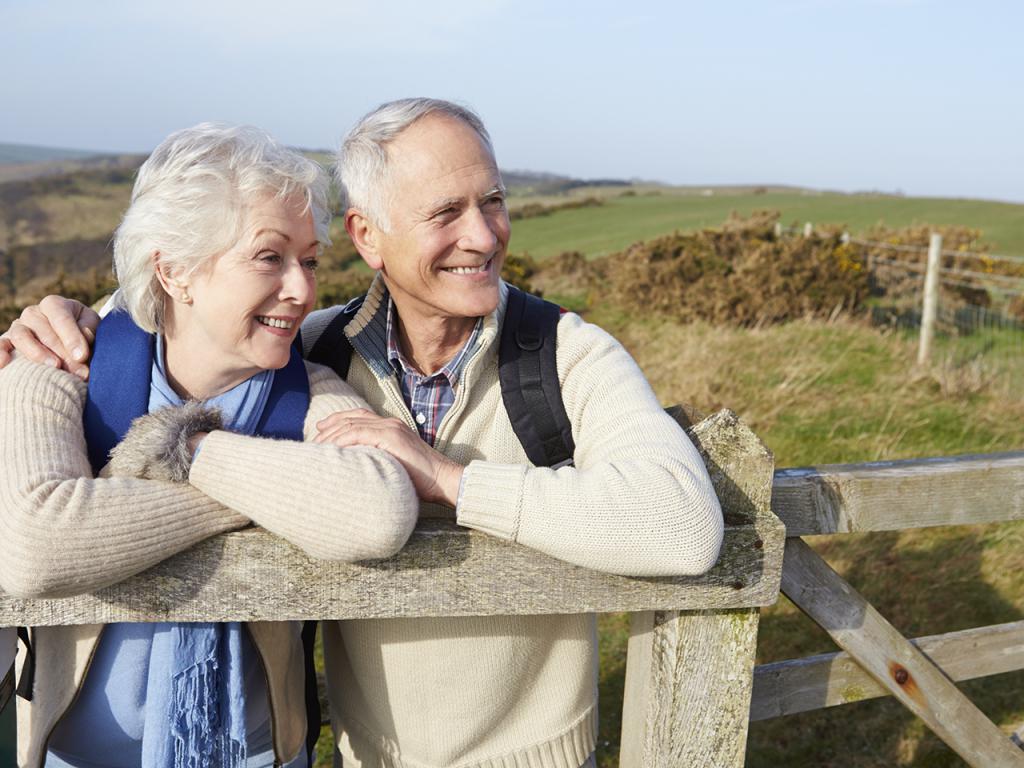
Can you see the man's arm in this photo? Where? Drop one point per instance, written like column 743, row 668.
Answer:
column 57, row 332
column 639, row 500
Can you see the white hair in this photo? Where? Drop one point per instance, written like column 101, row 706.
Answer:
column 362, row 163
column 188, row 205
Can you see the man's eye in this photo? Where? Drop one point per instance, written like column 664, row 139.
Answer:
column 496, row 202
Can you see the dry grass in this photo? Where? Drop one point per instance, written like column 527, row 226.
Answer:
column 821, row 392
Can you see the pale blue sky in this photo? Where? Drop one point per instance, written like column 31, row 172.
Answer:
column 919, row 95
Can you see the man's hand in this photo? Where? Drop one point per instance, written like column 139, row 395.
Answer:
column 435, row 476
column 55, row 332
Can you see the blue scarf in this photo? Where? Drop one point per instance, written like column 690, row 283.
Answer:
column 195, row 702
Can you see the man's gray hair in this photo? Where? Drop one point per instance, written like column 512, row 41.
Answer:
column 188, row 204
column 362, row 163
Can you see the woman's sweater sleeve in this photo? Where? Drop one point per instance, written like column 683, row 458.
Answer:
column 335, row 503
column 638, row 502
column 65, row 532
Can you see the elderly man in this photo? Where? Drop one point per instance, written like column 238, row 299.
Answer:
column 425, row 207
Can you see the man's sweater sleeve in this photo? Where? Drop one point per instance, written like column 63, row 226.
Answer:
column 638, row 500
column 65, row 532
column 335, row 503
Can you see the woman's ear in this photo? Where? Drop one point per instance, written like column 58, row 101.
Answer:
column 174, row 283
column 365, row 237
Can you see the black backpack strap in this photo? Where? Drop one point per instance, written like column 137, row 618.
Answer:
column 528, row 373
column 27, row 682
column 333, row 348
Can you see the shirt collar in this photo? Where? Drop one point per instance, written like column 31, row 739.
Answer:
column 368, row 329
column 452, row 370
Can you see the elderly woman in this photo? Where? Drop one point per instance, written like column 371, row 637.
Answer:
column 216, row 259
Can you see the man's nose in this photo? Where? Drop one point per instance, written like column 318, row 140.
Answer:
column 478, row 232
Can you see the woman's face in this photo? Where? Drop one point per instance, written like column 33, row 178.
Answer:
column 248, row 303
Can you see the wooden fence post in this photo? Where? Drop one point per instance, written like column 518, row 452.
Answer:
column 689, row 675
column 931, row 298
column 808, row 229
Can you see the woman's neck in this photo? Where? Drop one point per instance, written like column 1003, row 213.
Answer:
column 194, row 373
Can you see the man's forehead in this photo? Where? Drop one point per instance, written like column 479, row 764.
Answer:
column 439, row 144
column 450, row 163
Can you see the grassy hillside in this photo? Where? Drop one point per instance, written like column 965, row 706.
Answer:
column 842, row 392
column 623, row 220
column 28, row 153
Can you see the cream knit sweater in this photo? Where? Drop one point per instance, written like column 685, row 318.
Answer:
column 515, row 691
column 65, row 532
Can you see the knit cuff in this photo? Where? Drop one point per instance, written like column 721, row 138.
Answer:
column 491, row 497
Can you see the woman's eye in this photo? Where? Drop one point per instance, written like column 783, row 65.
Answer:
column 311, row 264
column 270, row 257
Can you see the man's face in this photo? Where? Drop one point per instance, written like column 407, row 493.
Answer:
column 449, row 228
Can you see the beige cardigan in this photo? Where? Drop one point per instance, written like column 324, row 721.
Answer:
column 494, row 692
column 65, row 532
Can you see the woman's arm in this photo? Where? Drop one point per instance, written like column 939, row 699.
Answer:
column 335, row 503
column 63, row 531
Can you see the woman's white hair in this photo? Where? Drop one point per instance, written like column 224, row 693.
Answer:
column 188, row 205
column 362, row 163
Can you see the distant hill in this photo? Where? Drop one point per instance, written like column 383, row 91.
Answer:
column 20, row 162
column 18, row 154
column 539, row 183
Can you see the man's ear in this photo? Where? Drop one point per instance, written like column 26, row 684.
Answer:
column 365, row 237
column 175, row 284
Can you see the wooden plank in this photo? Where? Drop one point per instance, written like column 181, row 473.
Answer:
column 831, row 679
column 444, row 570
column 892, row 495
column 688, row 688
column 892, row 660
column 688, row 676
column 688, row 680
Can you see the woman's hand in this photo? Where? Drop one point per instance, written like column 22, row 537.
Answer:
column 435, row 476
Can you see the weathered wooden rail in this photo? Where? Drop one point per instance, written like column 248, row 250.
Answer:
column 876, row 659
column 691, row 653
column 691, row 686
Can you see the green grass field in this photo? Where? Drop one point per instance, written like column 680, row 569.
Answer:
column 598, row 231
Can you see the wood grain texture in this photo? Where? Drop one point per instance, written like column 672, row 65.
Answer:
column 892, row 660
column 688, row 675
column 688, row 682
column 892, row 495
column 444, row 570
column 831, row 679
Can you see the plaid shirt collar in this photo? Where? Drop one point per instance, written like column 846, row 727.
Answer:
column 452, row 370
